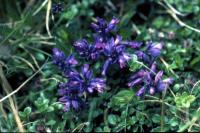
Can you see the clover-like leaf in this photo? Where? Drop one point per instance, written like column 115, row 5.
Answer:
column 184, row 100
column 123, row 97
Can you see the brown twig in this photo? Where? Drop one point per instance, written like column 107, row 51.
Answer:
column 6, row 86
column 25, row 82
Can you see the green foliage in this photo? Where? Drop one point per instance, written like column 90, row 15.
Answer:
column 25, row 47
column 112, row 119
column 184, row 100
column 123, row 97
column 71, row 13
column 26, row 113
column 134, row 64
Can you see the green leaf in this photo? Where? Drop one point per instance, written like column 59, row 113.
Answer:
column 112, row 119
column 179, row 61
column 51, row 122
column 42, row 104
column 27, row 111
column 156, row 118
column 21, row 114
column 176, row 87
column 58, row 106
column 173, row 122
column 106, row 129
column 40, row 56
column 158, row 22
column 195, row 61
column 71, row 13
column 184, row 100
column 123, row 97
column 133, row 120
column 98, row 129
column 158, row 129
column 50, row 109
column 63, row 34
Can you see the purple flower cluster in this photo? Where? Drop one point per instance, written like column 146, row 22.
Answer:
column 65, row 64
column 112, row 50
column 149, row 81
column 57, row 7
column 151, row 52
column 77, row 83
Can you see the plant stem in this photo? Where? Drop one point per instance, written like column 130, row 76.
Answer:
column 162, row 117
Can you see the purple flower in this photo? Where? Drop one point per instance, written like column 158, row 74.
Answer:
column 86, row 50
column 154, row 49
column 77, row 84
column 103, row 29
column 134, row 44
column 149, row 81
column 111, row 49
column 106, row 46
column 143, row 56
column 163, row 84
column 86, row 82
column 69, row 102
column 114, row 52
column 123, row 58
column 57, row 7
column 151, row 52
column 140, row 91
column 112, row 24
column 151, row 90
column 99, row 42
column 101, row 26
column 65, row 64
